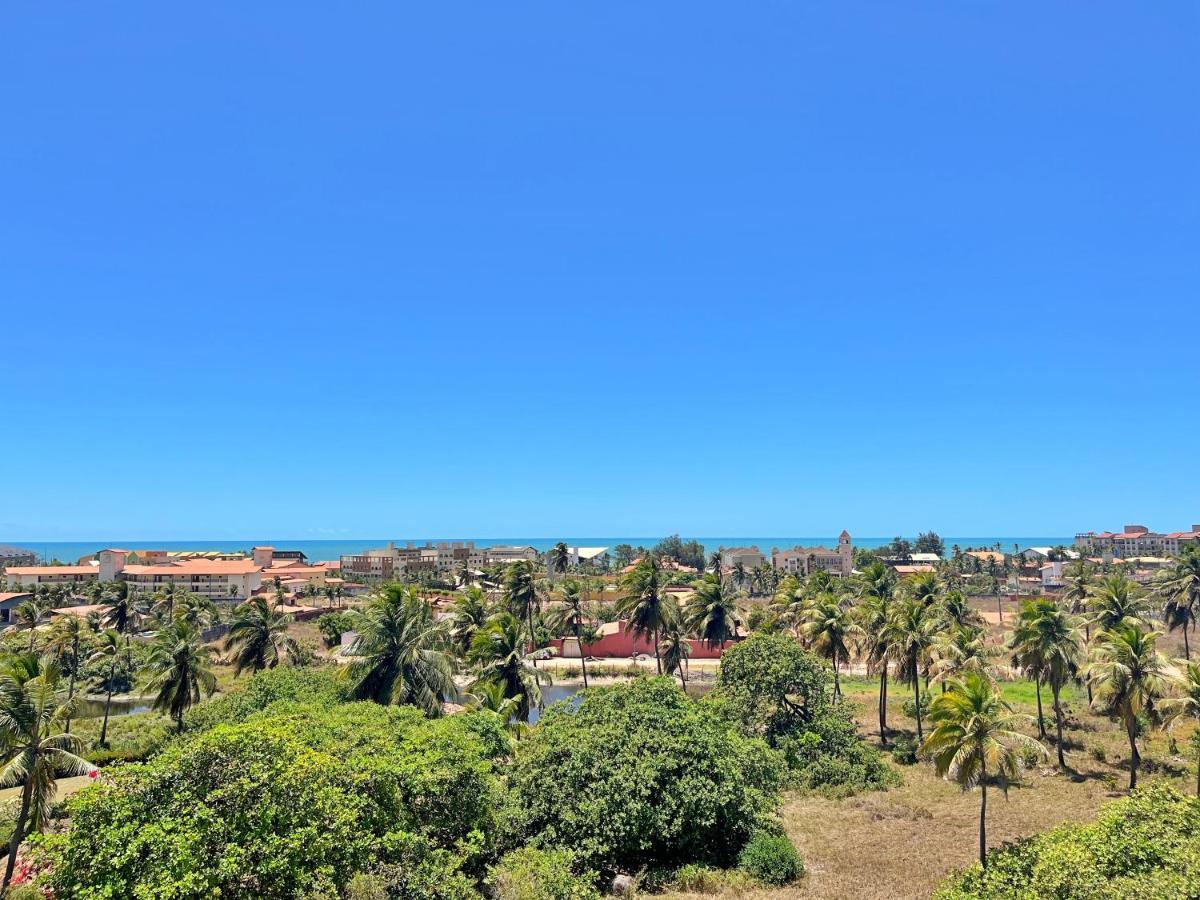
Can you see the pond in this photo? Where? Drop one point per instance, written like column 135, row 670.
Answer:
column 554, row 693
column 93, row 707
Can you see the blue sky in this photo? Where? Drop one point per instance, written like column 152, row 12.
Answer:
column 622, row 268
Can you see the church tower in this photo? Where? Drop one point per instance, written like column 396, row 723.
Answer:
column 846, row 553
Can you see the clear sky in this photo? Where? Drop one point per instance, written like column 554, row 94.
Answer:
column 547, row 268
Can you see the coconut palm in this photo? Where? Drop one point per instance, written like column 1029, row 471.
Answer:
column 399, row 655
column 924, row 587
column 643, row 604
column 489, row 696
column 30, row 616
column 560, row 558
column 1049, row 639
column 954, row 611
column 711, row 613
column 469, row 613
column 876, row 587
column 1129, row 675
column 1186, row 706
column 179, row 667
column 522, row 597
column 676, row 646
column 1025, row 644
column 199, row 611
column 1180, row 590
column 788, row 604
column 106, row 654
column 829, row 629
column 1116, row 599
column 739, row 574
column 1076, row 597
column 37, row 748
column 714, row 563
column 570, row 617
column 956, row 650
column 501, row 659
column 66, row 637
column 259, row 637
column 975, row 741
column 911, row 631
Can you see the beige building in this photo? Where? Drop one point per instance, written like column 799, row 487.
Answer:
column 801, row 561
column 748, row 557
column 1136, row 540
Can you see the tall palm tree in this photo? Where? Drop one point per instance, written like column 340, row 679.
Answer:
column 828, row 629
column 924, row 587
column 490, row 696
column 1049, row 638
column 1129, row 675
column 1025, row 644
column 1186, row 706
column 107, row 653
column 1076, row 596
column 501, row 659
column 37, row 749
column 975, row 741
column 643, row 603
column 570, row 617
column 711, row 613
column 30, row 616
column 522, row 597
column 714, row 563
column 199, row 611
column 179, row 667
column 676, row 646
column 469, row 613
column 560, row 558
column 956, row 650
column 122, row 612
column 66, row 636
column 1180, row 590
column 912, row 630
column 788, row 603
column 876, row 590
column 739, row 574
column 400, row 653
column 1116, row 599
column 259, row 636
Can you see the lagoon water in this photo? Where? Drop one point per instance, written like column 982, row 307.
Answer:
column 70, row 551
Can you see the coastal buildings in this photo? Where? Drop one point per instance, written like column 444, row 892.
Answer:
column 747, row 557
column 801, row 561
column 16, row 556
column 10, row 601
column 443, row 559
column 1135, row 540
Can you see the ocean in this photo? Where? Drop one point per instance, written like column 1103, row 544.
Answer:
column 70, row 551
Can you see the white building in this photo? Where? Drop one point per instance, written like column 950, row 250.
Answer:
column 1136, row 540
column 503, row 553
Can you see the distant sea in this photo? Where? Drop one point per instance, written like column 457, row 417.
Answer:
column 70, row 551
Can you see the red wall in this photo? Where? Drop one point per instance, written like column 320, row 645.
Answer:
column 625, row 643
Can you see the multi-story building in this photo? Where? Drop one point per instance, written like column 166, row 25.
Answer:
column 1136, row 540
column 16, row 556
column 747, row 557
column 504, row 553
column 19, row 577
column 801, row 561
column 212, row 578
column 443, row 559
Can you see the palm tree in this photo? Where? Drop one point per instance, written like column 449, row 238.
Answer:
column 400, row 653
column 107, row 652
column 521, row 595
column 1129, row 675
column 497, row 651
column 975, row 740
column 1116, row 599
column 199, row 611
column 739, row 574
column 788, row 603
column 924, row 587
column 560, row 558
column 876, row 590
column 259, row 636
column 469, row 614
column 1180, row 589
column 37, row 749
column 65, row 637
column 179, row 668
column 489, row 696
column 1076, row 595
column 676, row 646
column 1025, row 644
column 570, row 617
column 912, row 629
column 30, row 616
column 711, row 613
column 1049, row 638
column 122, row 613
column 714, row 563
column 828, row 629
column 643, row 603
column 1186, row 706
column 956, row 650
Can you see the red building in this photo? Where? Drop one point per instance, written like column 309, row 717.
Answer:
column 618, row 640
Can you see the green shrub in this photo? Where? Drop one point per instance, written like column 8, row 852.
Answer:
column 771, row 687
column 904, row 751
column 531, row 874
column 638, row 775
column 333, row 625
column 698, row 879
column 1145, row 846
column 319, row 686
column 291, row 802
column 771, row 859
column 910, row 707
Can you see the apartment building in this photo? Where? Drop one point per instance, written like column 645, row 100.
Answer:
column 801, row 561
column 747, row 557
column 1135, row 540
column 444, row 559
column 16, row 556
column 212, row 578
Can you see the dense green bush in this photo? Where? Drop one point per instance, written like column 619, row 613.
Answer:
column 291, row 802
column 1146, row 846
column 639, row 775
column 771, row 858
column 532, row 874
column 131, row 738
column 310, row 685
column 772, row 688
column 333, row 625
column 904, row 751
